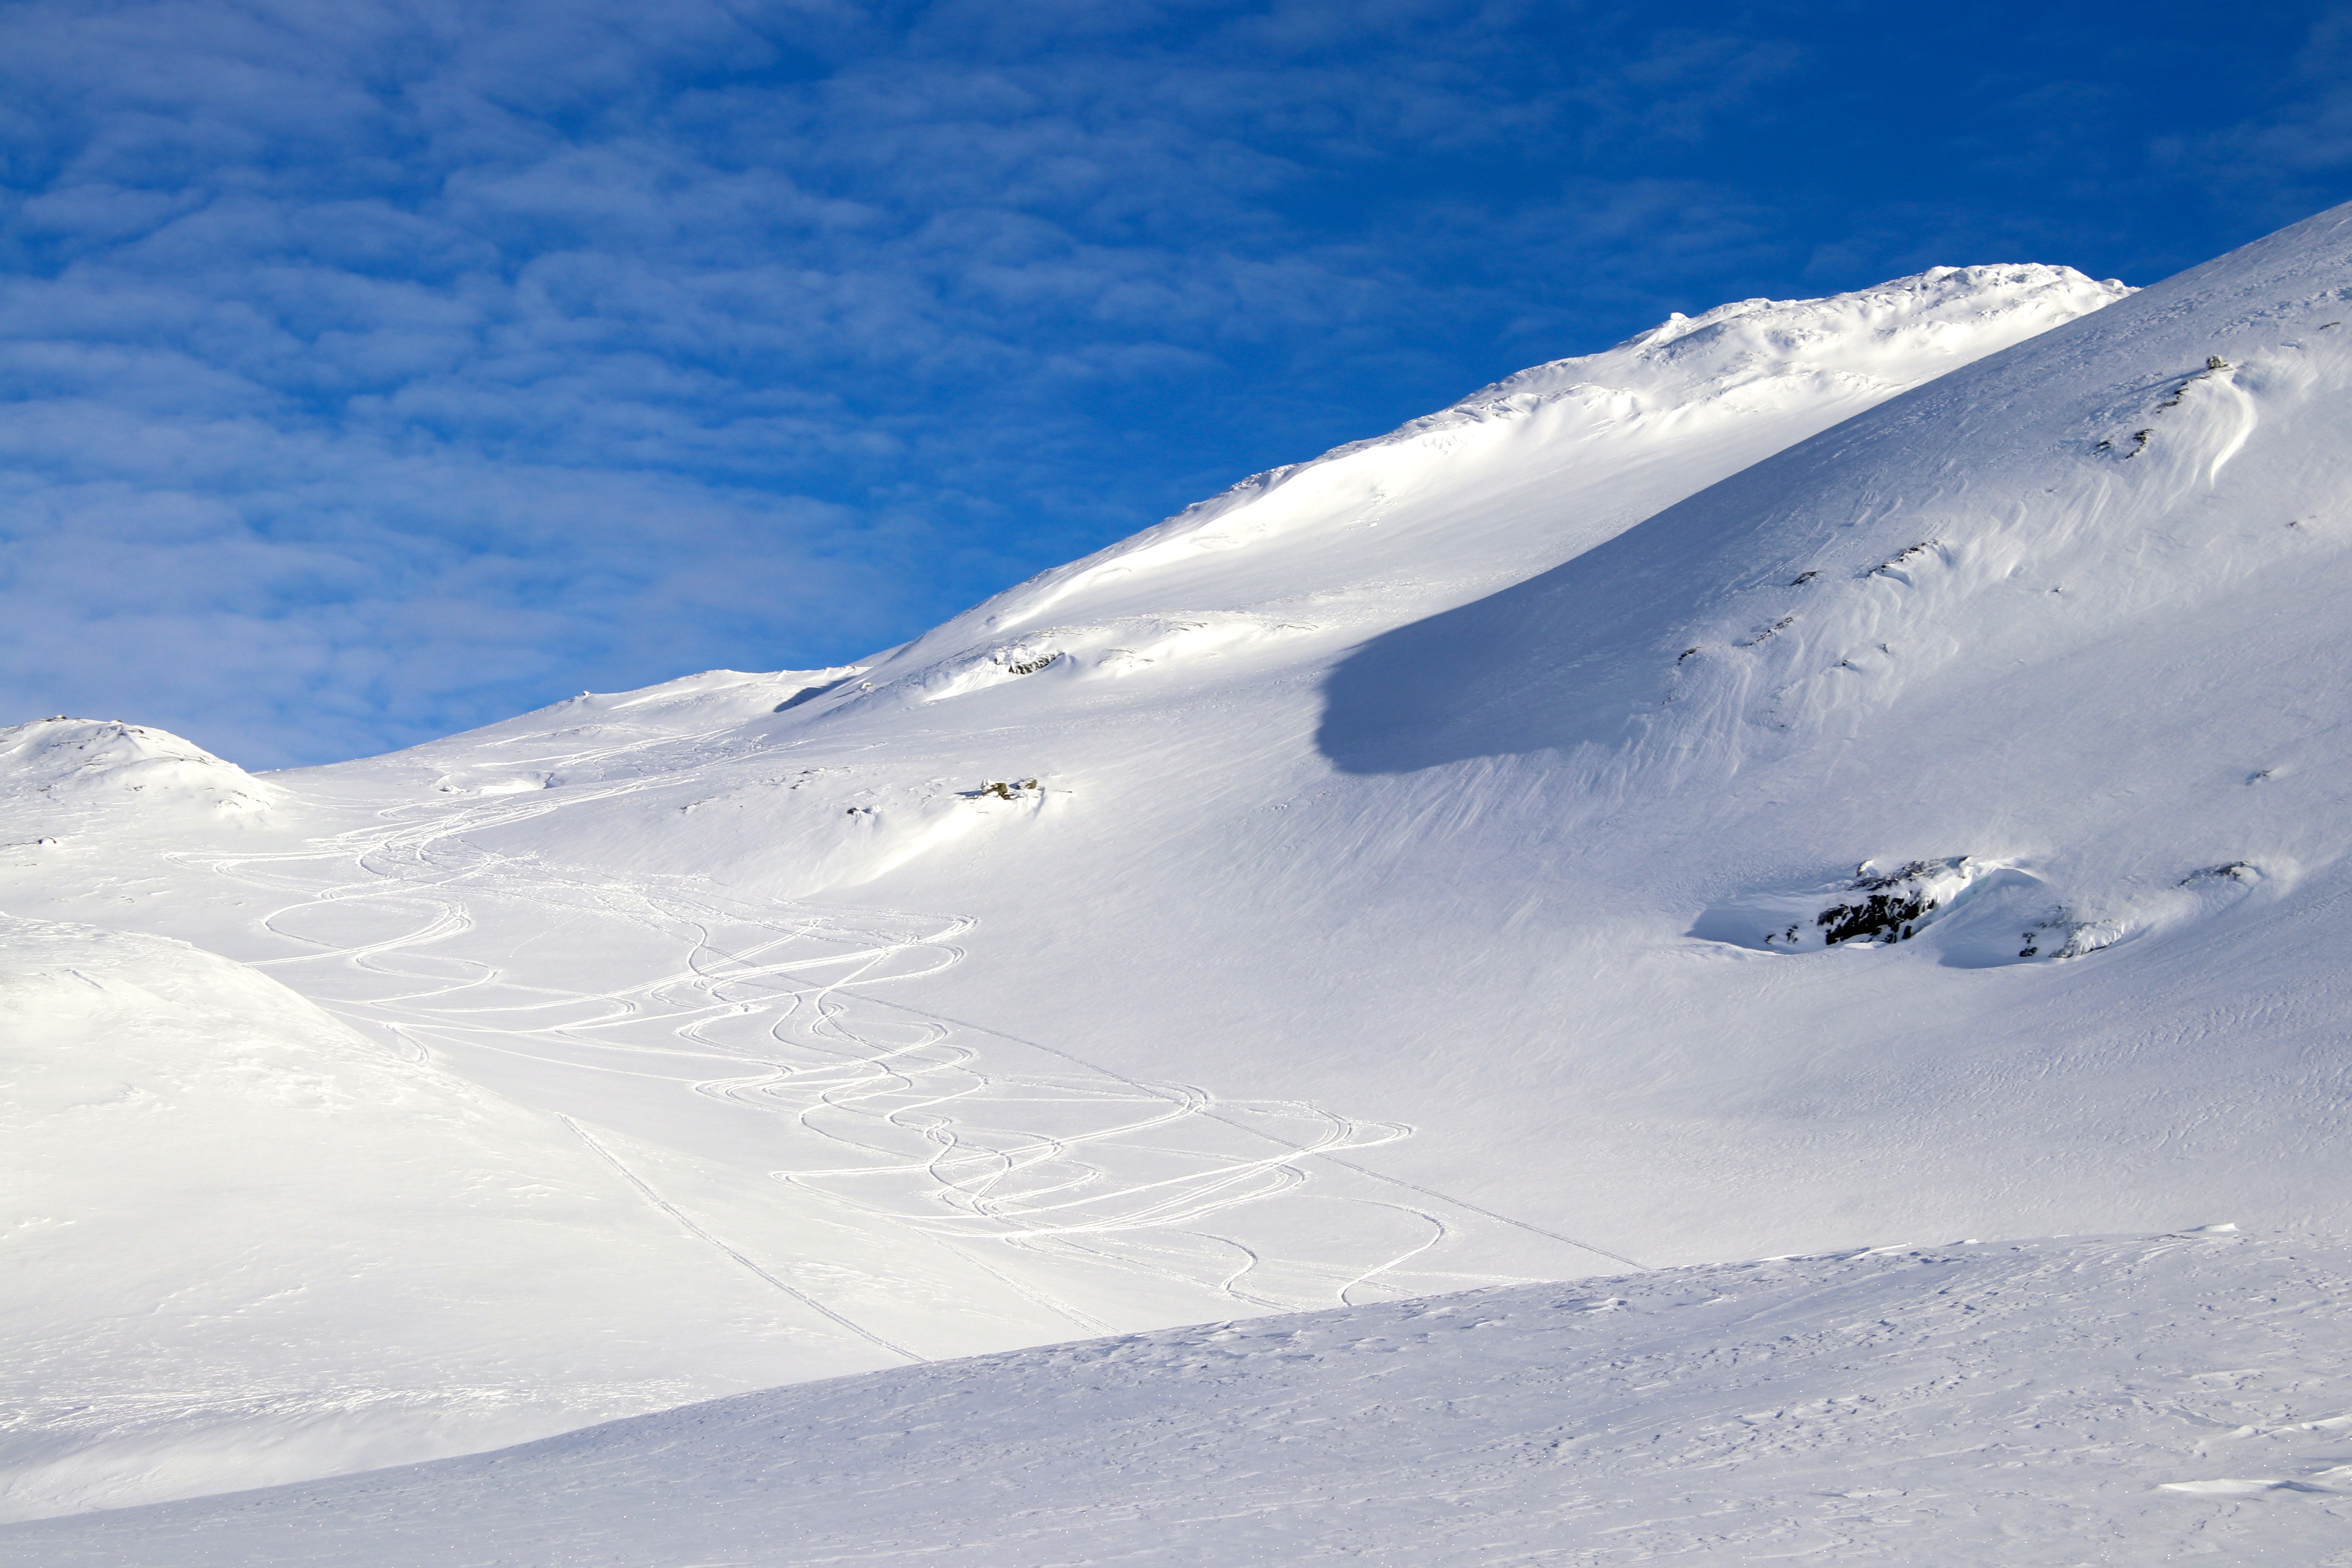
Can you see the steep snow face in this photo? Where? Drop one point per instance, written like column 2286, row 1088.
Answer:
column 2161, row 458
column 2027, row 1405
column 91, row 761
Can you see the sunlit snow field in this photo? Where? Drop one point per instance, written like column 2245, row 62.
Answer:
column 1444, row 867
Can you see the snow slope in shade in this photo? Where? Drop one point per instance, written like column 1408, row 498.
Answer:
column 2106, row 1402
column 1173, row 1033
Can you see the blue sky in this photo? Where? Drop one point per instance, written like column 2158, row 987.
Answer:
column 378, row 369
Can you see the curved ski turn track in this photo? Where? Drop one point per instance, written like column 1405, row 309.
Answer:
column 796, row 1023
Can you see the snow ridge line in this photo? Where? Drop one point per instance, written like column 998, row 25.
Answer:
column 1261, row 1132
column 802, row 1296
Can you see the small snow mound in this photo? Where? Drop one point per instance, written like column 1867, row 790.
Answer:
column 83, row 758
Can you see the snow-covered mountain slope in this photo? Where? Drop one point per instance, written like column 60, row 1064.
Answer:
column 1253, row 918
column 2054, row 1403
column 1513, row 478
column 246, row 1243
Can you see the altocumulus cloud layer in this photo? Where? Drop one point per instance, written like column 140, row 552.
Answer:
column 374, row 369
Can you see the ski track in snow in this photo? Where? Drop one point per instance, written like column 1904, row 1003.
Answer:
column 696, row 1230
column 1092, row 1164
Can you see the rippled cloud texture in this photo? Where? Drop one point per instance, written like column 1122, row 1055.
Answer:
column 377, row 369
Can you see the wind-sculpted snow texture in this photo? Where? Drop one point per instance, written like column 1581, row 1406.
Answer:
column 1354, row 888
column 2008, row 1406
